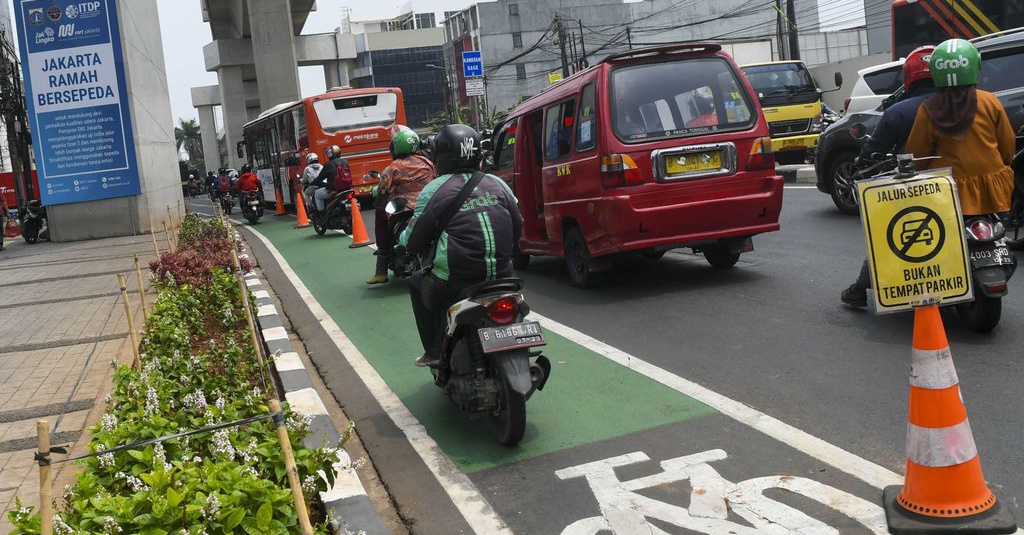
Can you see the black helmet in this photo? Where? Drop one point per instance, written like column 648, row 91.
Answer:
column 456, row 146
column 246, row 168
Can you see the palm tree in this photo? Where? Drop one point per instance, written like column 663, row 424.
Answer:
column 187, row 135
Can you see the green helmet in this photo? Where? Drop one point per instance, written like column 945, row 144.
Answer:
column 955, row 62
column 404, row 142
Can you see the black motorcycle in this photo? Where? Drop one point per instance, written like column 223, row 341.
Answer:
column 485, row 364
column 402, row 263
column 992, row 265
column 252, row 206
column 337, row 214
column 227, row 202
column 33, row 222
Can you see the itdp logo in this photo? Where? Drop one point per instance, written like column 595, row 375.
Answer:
column 71, row 11
column 35, row 16
column 53, row 13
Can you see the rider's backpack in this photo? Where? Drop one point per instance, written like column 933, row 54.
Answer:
column 225, row 183
column 343, row 178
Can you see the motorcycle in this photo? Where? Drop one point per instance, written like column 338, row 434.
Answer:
column 402, row 263
column 992, row 263
column 252, row 206
column 33, row 222
column 485, row 364
column 227, row 202
column 337, row 214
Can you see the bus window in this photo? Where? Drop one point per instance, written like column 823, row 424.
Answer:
column 364, row 111
column 558, row 129
column 586, row 132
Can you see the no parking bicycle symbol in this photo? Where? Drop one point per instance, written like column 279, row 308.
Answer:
column 916, row 246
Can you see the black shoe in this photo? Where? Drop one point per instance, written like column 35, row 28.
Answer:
column 855, row 296
column 425, row 360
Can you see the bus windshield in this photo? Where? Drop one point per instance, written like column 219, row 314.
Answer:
column 361, row 111
column 782, row 83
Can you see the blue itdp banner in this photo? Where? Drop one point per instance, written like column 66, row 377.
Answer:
column 77, row 99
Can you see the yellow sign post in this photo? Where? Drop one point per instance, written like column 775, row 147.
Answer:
column 916, row 246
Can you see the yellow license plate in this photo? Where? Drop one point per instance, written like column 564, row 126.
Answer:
column 696, row 161
column 791, row 143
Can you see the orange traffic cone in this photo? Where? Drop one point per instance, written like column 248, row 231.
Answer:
column 359, row 236
column 944, row 490
column 300, row 208
column 280, row 202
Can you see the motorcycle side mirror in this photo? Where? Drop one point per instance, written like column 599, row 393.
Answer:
column 395, row 205
column 859, row 131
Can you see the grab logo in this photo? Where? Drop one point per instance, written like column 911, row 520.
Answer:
column 945, row 64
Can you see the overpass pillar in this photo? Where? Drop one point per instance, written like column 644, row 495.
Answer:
column 232, row 98
column 273, row 47
column 208, row 128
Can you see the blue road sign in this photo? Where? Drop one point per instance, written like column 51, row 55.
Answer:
column 77, row 99
column 472, row 64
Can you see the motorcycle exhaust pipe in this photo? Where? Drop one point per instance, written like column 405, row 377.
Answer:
column 540, row 370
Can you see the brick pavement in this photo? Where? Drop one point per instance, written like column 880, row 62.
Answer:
column 61, row 325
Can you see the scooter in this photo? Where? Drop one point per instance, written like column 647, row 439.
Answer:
column 485, row 365
column 402, row 263
column 252, row 206
column 227, row 202
column 33, row 222
column 337, row 214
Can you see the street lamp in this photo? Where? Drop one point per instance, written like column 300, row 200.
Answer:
column 447, row 90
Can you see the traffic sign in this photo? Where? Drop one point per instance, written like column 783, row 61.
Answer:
column 916, row 245
column 472, row 64
column 474, row 87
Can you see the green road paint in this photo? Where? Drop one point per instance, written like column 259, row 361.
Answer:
column 588, row 398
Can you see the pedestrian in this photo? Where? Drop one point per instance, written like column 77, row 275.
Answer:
column 408, row 173
column 5, row 216
column 889, row 135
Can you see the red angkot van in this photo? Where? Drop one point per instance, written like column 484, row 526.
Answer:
column 647, row 151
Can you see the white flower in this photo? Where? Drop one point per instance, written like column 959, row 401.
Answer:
column 196, row 400
column 110, row 525
column 222, row 445
column 61, row 528
column 134, row 483
column 152, row 402
column 220, row 403
column 160, row 457
column 212, row 507
column 309, row 484
column 108, row 422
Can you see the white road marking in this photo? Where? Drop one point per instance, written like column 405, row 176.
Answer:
column 801, row 187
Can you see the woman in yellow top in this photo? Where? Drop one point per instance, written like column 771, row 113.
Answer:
column 968, row 129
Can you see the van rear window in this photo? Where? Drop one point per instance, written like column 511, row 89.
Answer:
column 684, row 97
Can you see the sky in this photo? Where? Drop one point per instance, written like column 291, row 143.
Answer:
column 185, row 34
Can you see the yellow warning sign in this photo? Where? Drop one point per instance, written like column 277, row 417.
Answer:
column 916, row 246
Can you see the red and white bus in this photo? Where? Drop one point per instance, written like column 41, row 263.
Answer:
column 357, row 120
column 930, row 22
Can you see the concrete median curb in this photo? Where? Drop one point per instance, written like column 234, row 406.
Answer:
column 347, row 501
column 797, row 174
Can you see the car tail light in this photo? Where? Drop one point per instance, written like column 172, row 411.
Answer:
column 981, row 230
column 619, row 170
column 846, row 104
column 761, row 155
column 504, row 310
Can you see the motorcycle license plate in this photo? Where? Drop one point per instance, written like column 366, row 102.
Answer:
column 516, row 336
column 997, row 256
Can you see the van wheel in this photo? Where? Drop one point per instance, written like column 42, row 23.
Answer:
column 720, row 257
column 520, row 260
column 841, row 172
column 577, row 260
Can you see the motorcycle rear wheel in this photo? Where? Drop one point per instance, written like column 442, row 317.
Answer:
column 509, row 422
column 983, row 314
column 253, row 219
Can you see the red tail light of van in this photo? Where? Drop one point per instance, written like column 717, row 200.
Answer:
column 619, row 170
column 761, row 155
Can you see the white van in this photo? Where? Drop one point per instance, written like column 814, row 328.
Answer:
column 873, row 85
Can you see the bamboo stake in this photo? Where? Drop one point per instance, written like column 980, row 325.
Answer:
column 142, row 288
column 293, row 472
column 156, row 248
column 179, row 214
column 244, row 288
column 136, row 363
column 167, row 235
column 45, row 482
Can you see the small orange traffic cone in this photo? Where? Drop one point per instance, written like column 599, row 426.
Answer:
column 944, row 490
column 300, row 208
column 280, row 202
column 359, row 236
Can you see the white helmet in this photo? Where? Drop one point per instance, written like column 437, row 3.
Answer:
column 312, row 157
column 233, row 174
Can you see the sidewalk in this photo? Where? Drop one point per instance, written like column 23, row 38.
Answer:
column 62, row 322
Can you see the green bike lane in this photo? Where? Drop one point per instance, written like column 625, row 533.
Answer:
column 599, row 405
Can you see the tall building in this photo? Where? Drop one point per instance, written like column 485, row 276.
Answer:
column 527, row 45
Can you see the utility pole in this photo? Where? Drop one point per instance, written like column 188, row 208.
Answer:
column 12, row 113
column 561, row 44
column 794, row 36
column 629, row 38
column 572, row 52
column 583, row 48
column 780, row 28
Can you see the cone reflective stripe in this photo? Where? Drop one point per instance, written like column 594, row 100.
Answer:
column 944, row 489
